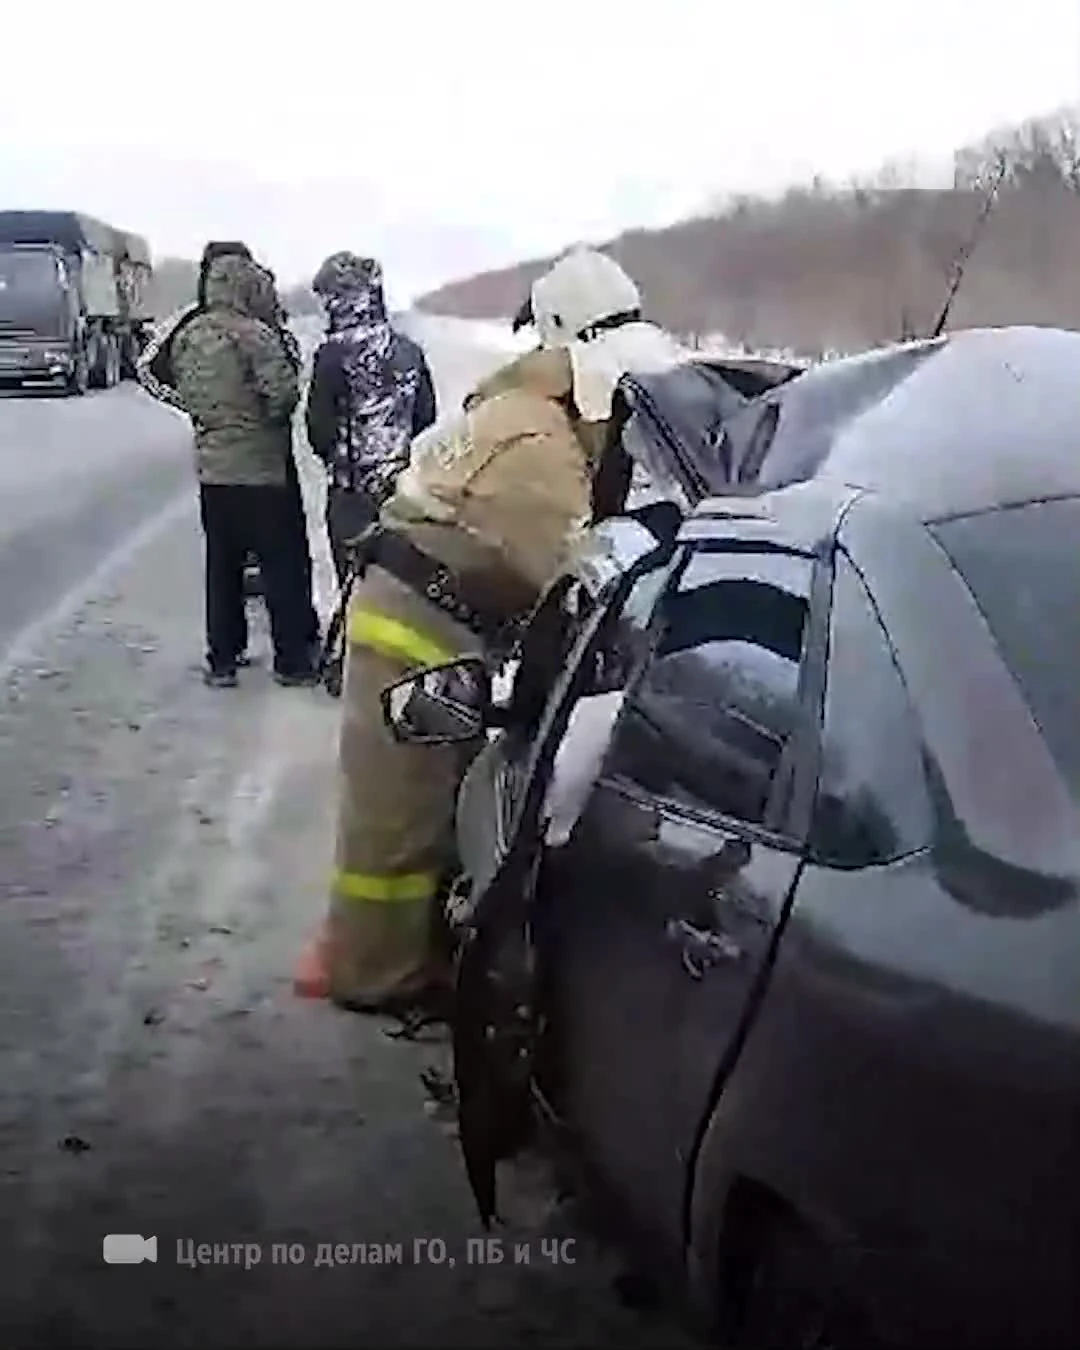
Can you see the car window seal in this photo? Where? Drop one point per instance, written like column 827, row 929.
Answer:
column 704, row 816
column 695, row 480
column 805, row 743
column 832, row 864
column 760, row 441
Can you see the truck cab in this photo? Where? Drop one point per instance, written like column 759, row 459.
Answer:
column 41, row 319
column 73, row 309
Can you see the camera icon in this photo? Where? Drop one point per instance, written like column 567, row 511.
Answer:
column 128, row 1249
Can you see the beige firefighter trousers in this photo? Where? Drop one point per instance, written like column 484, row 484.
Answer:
column 395, row 823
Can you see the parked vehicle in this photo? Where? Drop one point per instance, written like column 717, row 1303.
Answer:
column 75, row 305
column 771, row 918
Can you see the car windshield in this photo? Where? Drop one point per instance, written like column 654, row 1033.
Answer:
column 1022, row 565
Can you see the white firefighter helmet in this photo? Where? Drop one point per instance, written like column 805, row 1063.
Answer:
column 581, row 289
column 587, row 304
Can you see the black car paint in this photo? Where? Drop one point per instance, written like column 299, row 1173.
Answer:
column 852, row 991
column 898, row 1058
column 905, row 1033
column 682, row 921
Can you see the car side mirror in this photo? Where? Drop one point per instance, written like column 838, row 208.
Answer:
column 442, row 705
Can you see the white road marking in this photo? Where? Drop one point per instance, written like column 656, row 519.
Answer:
column 23, row 646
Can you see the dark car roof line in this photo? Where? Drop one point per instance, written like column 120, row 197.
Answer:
column 1005, row 506
column 805, row 516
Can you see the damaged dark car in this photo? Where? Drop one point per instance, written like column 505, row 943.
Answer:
column 770, row 918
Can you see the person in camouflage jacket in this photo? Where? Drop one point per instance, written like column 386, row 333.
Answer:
column 155, row 374
column 234, row 380
column 153, row 370
column 272, row 311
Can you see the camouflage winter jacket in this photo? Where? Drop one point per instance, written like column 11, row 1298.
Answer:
column 153, row 370
column 235, row 382
column 268, row 307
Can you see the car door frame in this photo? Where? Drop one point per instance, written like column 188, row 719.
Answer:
column 497, row 917
column 534, row 767
column 787, row 818
column 742, row 533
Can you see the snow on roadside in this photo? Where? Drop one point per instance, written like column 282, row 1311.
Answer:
column 495, row 334
column 492, row 335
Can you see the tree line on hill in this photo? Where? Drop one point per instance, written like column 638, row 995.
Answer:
column 840, row 266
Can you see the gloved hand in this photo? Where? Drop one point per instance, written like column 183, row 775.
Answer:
column 360, row 548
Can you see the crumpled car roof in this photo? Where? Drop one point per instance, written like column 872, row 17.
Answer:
column 679, row 417
column 980, row 415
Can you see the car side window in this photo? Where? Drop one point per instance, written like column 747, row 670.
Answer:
column 625, row 636
column 708, row 721
column 552, row 640
column 873, row 803
column 542, row 652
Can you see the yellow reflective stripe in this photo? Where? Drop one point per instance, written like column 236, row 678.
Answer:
column 388, row 887
column 392, row 638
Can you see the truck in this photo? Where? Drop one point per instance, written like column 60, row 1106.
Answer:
column 75, row 301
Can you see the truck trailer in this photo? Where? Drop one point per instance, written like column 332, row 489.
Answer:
column 75, row 305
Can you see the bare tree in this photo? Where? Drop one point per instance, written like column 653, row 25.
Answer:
column 825, row 266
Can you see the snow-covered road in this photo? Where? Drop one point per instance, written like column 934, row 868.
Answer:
column 163, row 851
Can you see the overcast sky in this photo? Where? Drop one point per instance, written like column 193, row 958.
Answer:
column 450, row 137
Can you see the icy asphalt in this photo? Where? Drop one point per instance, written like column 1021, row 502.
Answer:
column 163, row 851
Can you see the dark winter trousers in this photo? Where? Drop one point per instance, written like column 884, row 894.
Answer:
column 348, row 514
column 298, row 536
column 261, row 520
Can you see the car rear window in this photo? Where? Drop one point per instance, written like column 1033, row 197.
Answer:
column 1023, row 567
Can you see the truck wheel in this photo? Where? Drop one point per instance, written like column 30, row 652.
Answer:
column 111, row 361
column 98, row 361
column 78, row 381
column 130, row 348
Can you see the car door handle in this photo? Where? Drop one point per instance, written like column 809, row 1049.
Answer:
column 729, row 859
column 701, row 948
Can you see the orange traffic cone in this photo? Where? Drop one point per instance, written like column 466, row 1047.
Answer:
column 311, row 977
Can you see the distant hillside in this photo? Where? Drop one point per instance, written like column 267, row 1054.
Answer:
column 841, row 267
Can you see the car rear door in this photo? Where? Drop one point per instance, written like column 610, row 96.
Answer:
column 670, row 893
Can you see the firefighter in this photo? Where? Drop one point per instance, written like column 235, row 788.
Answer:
column 478, row 524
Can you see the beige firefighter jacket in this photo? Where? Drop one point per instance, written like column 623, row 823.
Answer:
column 499, row 491
column 496, row 494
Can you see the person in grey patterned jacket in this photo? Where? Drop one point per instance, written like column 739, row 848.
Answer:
column 371, row 392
